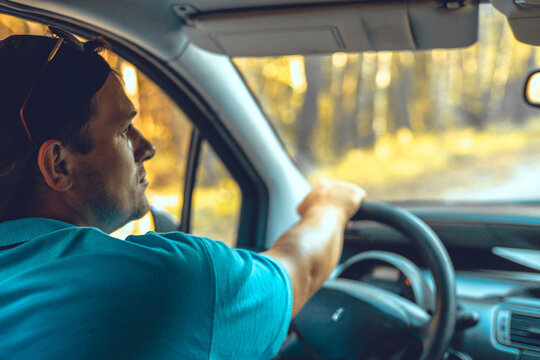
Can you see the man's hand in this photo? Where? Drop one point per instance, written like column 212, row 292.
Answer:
column 312, row 248
column 340, row 195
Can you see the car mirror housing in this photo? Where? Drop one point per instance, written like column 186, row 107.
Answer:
column 532, row 89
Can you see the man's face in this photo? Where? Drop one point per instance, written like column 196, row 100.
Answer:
column 109, row 182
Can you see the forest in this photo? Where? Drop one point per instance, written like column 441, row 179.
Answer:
column 399, row 114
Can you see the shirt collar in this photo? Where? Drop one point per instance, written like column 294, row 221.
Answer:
column 21, row 230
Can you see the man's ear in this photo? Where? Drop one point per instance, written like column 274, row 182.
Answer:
column 51, row 161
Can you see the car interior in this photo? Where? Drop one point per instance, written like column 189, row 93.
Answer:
column 420, row 278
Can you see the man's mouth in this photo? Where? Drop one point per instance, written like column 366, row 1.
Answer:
column 143, row 180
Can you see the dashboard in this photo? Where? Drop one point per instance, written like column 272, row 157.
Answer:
column 508, row 309
column 498, row 311
column 495, row 250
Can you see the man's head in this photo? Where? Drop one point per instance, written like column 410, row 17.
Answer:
column 71, row 154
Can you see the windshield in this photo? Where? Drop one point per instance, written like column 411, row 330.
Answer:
column 439, row 124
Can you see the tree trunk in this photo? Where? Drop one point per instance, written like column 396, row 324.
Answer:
column 307, row 119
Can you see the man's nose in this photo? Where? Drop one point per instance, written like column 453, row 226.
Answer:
column 144, row 149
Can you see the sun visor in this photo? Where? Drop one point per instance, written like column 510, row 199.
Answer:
column 523, row 17
column 334, row 28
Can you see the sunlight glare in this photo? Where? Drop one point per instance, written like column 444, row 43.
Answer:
column 383, row 79
column 298, row 77
column 130, row 79
column 339, row 59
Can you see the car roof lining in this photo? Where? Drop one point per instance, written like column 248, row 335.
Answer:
column 282, row 27
column 303, row 27
column 158, row 29
column 236, row 5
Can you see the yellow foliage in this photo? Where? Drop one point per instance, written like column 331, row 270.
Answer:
column 407, row 158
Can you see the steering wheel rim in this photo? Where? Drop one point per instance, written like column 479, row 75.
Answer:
column 441, row 326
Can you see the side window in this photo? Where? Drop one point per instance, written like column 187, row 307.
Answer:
column 216, row 200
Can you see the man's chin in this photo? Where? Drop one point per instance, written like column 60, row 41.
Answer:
column 142, row 209
column 137, row 213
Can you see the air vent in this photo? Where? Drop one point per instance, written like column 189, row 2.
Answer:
column 518, row 329
column 525, row 330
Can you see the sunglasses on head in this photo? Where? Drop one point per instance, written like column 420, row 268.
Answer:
column 63, row 37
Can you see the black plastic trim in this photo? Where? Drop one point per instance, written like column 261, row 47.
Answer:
column 194, row 155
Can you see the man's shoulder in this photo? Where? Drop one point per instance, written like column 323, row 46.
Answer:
column 142, row 291
column 89, row 261
column 44, row 242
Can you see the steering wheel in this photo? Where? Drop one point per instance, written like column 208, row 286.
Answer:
column 348, row 319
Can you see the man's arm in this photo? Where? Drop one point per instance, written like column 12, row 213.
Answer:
column 311, row 249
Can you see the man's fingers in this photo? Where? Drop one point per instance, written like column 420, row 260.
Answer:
column 338, row 194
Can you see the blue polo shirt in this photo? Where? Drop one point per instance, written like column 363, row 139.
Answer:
column 77, row 293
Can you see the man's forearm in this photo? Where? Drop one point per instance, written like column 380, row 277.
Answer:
column 311, row 250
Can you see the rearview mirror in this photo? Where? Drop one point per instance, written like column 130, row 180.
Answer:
column 532, row 89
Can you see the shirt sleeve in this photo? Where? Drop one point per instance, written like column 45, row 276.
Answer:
column 253, row 303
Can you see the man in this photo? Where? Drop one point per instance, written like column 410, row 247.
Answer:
column 73, row 167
